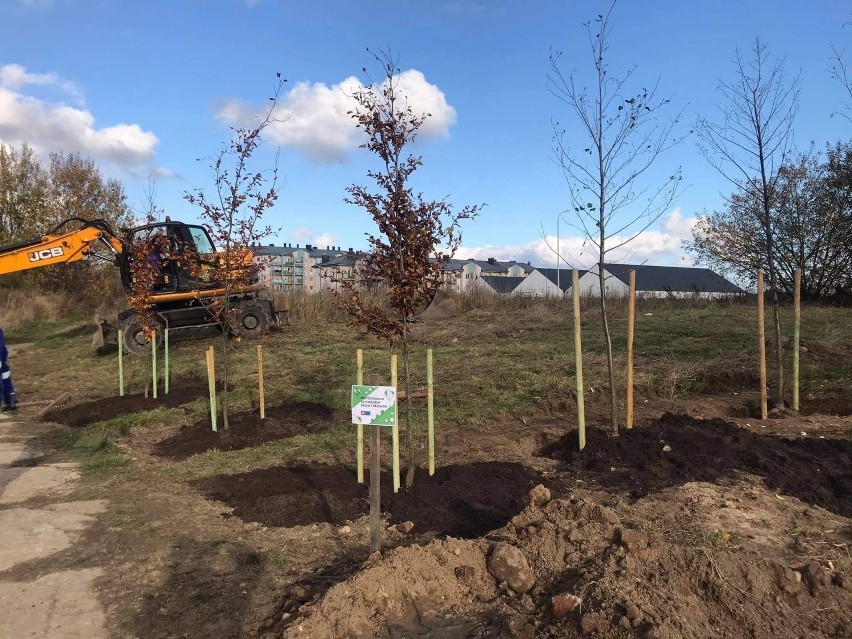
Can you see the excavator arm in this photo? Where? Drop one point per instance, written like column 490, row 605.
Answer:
column 59, row 246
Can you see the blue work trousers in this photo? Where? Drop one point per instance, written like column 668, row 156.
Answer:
column 6, row 386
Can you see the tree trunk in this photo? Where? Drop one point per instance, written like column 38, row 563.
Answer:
column 609, row 366
column 412, row 465
column 779, row 352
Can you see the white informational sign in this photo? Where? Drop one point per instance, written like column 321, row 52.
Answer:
column 374, row 405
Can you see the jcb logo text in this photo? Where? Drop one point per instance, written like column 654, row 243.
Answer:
column 46, row 254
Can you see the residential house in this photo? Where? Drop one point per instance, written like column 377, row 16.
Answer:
column 546, row 282
column 659, row 281
column 472, row 270
column 496, row 285
column 334, row 272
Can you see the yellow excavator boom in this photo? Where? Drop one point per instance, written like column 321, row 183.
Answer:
column 54, row 249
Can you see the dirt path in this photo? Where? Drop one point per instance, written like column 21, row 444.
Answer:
column 37, row 522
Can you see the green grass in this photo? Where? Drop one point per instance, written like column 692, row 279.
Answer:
column 490, row 364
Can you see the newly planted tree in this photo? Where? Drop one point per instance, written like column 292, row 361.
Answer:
column 607, row 174
column 414, row 234
column 749, row 144
column 233, row 213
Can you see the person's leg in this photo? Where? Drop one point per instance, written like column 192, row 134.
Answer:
column 10, row 400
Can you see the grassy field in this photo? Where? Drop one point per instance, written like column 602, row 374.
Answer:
column 179, row 561
column 491, row 364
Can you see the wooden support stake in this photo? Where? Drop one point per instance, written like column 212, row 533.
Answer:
column 375, row 494
column 578, row 355
column 375, row 480
column 631, row 322
column 761, row 333
column 260, row 397
column 154, row 363
column 797, row 324
column 121, row 363
column 211, row 382
column 359, row 380
column 166, row 358
column 430, row 411
column 395, row 432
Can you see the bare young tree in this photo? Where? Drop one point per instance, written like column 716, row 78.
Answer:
column 840, row 72
column 233, row 214
column 612, row 196
column 414, row 235
column 750, row 144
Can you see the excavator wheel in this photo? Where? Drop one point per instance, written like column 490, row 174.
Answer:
column 251, row 321
column 135, row 340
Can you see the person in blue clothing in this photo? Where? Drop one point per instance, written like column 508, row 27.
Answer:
column 10, row 400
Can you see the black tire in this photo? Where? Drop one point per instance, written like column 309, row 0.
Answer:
column 251, row 322
column 135, row 340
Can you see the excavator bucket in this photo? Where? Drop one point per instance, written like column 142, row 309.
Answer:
column 105, row 335
column 441, row 307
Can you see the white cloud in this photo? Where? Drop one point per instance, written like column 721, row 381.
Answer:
column 662, row 246
column 48, row 126
column 314, row 117
column 15, row 77
column 301, row 234
column 309, row 236
column 325, row 239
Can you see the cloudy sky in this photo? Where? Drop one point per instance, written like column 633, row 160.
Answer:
column 150, row 89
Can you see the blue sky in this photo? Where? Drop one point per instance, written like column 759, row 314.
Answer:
column 144, row 87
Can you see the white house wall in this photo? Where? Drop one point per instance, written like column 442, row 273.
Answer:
column 537, row 285
column 481, row 285
column 590, row 284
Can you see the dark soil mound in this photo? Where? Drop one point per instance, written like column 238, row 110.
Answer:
column 246, row 429
column 817, row 471
column 99, row 410
column 462, row 501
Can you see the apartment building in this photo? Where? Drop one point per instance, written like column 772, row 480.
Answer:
column 291, row 268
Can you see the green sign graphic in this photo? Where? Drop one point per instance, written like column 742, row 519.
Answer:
column 374, row 405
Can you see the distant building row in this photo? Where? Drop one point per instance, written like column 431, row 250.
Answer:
column 313, row 269
column 651, row 281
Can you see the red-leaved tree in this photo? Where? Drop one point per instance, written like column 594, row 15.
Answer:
column 414, row 234
column 233, row 213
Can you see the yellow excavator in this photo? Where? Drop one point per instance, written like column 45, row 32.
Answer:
column 178, row 298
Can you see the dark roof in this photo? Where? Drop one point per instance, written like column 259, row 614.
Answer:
column 565, row 275
column 676, row 279
column 452, row 264
column 502, row 285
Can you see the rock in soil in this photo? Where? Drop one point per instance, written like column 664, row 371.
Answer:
column 540, row 495
column 632, row 540
column 508, row 564
column 564, row 604
column 405, row 527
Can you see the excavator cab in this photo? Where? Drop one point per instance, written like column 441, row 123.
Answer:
column 183, row 255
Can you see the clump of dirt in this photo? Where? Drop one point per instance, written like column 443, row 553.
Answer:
column 463, row 501
column 679, row 448
column 631, row 583
column 99, row 410
column 246, row 429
